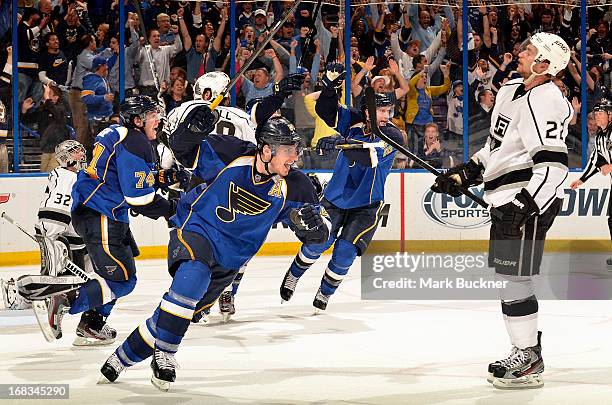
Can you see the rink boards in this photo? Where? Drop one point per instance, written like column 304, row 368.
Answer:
column 413, row 219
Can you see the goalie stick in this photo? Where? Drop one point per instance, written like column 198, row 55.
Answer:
column 68, row 264
column 370, row 96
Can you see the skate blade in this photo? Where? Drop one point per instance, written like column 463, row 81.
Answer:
column 226, row 316
column 531, row 381
column 490, row 378
column 41, row 313
column 103, row 380
column 161, row 385
column 80, row 341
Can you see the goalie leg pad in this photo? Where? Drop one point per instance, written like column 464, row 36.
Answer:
column 36, row 287
column 53, row 254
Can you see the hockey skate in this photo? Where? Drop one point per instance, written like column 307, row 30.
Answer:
column 93, row 330
column 288, row 286
column 320, row 301
column 49, row 314
column 226, row 305
column 164, row 370
column 522, row 369
column 11, row 297
column 111, row 369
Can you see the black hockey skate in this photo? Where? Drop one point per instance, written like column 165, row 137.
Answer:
column 320, row 301
column 226, row 305
column 57, row 306
column 111, row 369
column 93, row 330
column 288, row 286
column 202, row 317
column 164, row 370
column 523, row 368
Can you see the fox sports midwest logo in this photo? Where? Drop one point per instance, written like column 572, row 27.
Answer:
column 456, row 212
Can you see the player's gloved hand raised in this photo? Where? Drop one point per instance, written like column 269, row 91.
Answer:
column 285, row 86
column 328, row 144
column 334, row 77
column 446, row 185
column 168, row 177
column 308, row 224
column 201, row 121
column 516, row 213
column 316, row 183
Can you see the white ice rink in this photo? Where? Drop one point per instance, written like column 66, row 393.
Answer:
column 358, row 352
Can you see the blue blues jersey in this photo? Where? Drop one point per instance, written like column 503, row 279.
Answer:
column 237, row 208
column 121, row 174
column 360, row 174
column 95, row 88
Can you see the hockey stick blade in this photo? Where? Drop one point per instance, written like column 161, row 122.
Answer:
column 370, row 96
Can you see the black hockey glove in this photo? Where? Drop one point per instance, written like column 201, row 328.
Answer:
column 316, row 183
column 289, row 84
column 516, row 213
column 308, row 225
column 198, row 124
column 168, row 177
column 334, row 78
column 465, row 175
column 328, row 144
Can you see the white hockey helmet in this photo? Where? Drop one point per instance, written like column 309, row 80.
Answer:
column 553, row 49
column 214, row 81
column 71, row 153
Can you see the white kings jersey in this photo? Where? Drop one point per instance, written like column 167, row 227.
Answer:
column 232, row 121
column 54, row 213
column 526, row 147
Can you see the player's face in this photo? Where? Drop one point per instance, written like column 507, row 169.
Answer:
column 601, row 118
column 286, row 155
column 151, row 124
column 525, row 59
column 382, row 115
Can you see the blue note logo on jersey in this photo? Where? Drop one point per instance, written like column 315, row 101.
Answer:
column 242, row 202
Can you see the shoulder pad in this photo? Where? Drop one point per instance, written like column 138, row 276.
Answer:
column 137, row 144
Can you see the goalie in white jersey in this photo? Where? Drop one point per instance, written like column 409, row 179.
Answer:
column 523, row 165
column 54, row 231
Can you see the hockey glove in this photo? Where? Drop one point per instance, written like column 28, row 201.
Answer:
column 309, row 225
column 316, row 183
column 328, row 144
column 198, row 124
column 466, row 175
column 168, row 177
column 289, row 84
column 334, row 77
column 516, row 213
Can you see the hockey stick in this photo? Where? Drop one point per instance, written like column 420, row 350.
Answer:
column 370, row 96
column 254, row 55
column 68, row 265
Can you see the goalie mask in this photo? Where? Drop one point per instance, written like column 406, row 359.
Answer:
column 215, row 82
column 71, row 154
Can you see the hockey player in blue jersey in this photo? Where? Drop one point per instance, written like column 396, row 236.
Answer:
column 219, row 227
column 354, row 195
column 122, row 175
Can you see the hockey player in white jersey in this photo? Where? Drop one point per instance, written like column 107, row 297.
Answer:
column 54, row 231
column 523, row 165
column 601, row 156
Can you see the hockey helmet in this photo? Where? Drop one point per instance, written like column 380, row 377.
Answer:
column 213, row 81
column 71, row 153
column 382, row 100
column 552, row 49
column 277, row 131
column 604, row 105
column 137, row 106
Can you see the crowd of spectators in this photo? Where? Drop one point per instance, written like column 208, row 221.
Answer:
column 413, row 52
